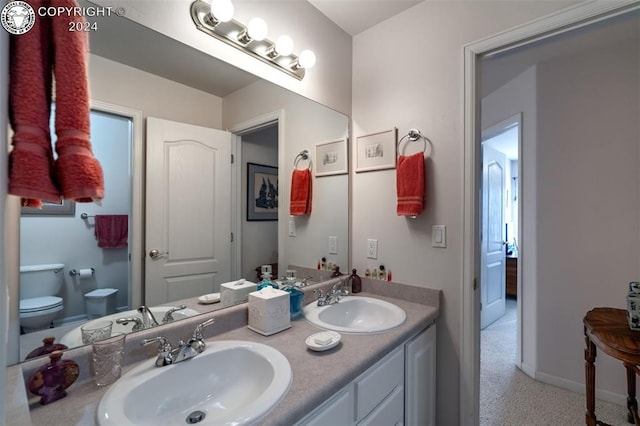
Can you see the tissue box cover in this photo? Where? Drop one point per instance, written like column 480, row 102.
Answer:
column 269, row 311
column 633, row 305
column 235, row 292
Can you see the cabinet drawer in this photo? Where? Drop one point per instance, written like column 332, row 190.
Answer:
column 380, row 382
column 390, row 412
column 337, row 411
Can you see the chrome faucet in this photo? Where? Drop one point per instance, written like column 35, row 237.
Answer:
column 147, row 320
column 333, row 296
column 168, row 355
column 168, row 316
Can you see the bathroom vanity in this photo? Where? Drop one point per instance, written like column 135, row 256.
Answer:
column 363, row 377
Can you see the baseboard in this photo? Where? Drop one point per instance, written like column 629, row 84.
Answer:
column 580, row 388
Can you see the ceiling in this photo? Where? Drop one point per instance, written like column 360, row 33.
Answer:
column 355, row 16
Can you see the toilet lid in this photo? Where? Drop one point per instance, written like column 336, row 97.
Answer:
column 40, row 303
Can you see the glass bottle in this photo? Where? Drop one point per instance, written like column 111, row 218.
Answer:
column 267, row 281
column 355, row 281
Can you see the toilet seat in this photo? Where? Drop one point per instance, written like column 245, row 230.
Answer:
column 38, row 304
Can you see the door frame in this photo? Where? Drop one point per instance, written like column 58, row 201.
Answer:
column 239, row 129
column 136, row 233
column 571, row 18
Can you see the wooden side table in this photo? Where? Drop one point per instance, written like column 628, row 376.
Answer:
column 608, row 329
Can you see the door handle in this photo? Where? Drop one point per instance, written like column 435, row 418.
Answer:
column 155, row 254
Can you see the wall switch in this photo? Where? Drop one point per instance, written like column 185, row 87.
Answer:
column 439, row 236
column 372, row 249
column 292, row 228
column 333, row 245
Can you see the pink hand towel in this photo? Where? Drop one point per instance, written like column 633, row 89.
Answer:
column 79, row 172
column 112, row 231
column 31, row 160
column 410, row 185
column 300, row 193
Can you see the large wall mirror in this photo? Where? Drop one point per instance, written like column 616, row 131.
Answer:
column 136, row 73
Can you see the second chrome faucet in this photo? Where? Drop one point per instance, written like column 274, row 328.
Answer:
column 168, row 355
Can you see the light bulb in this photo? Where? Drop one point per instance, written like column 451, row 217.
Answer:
column 257, row 29
column 284, row 45
column 222, row 10
column 307, row 59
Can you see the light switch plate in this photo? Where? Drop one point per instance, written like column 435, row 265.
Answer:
column 292, row 228
column 333, row 245
column 372, row 249
column 439, row 236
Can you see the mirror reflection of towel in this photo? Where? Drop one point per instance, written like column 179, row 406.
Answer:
column 112, row 231
column 300, row 192
column 410, row 184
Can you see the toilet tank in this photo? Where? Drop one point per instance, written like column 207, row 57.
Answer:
column 41, row 280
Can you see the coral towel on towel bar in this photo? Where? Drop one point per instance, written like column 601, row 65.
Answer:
column 410, row 184
column 49, row 47
column 300, row 192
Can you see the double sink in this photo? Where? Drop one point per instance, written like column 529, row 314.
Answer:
column 232, row 382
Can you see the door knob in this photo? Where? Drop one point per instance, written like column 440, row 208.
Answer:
column 155, row 254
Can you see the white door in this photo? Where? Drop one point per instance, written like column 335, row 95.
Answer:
column 492, row 278
column 188, row 211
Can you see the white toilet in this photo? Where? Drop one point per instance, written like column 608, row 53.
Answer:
column 39, row 303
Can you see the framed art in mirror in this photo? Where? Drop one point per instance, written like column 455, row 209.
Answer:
column 331, row 158
column 376, row 151
column 66, row 208
column 262, row 192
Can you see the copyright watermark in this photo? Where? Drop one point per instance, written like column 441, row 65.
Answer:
column 17, row 17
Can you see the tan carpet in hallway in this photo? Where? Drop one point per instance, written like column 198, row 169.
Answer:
column 510, row 397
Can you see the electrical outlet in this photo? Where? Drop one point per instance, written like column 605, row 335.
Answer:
column 333, row 245
column 372, row 249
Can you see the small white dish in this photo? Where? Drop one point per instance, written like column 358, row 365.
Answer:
column 209, row 298
column 316, row 342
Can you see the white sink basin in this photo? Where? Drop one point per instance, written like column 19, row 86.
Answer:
column 356, row 314
column 231, row 382
column 74, row 337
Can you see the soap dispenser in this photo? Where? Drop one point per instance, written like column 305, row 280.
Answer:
column 355, row 282
column 266, row 278
column 296, row 297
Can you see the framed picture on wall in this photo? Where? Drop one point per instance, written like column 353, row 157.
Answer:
column 262, row 192
column 331, row 158
column 66, row 208
column 377, row 151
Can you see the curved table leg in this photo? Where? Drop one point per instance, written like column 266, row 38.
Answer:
column 590, row 381
column 632, row 404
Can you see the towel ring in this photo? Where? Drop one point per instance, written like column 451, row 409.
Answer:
column 304, row 155
column 412, row 136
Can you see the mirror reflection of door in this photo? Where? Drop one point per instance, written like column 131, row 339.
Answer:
column 188, row 214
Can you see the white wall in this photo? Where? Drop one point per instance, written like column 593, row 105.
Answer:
column 519, row 96
column 155, row 96
column 408, row 72
column 305, row 124
column 328, row 82
column 588, row 226
column 259, row 238
column 70, row 240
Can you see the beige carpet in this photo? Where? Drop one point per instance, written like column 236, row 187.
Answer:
column 510, row 397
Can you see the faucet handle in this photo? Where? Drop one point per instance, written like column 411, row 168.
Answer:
column 168, row 316
column 164, row 346
column 197, row 333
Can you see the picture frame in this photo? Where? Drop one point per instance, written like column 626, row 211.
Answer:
column 262, row 192
column 65, row 208
column 377, row 151
column 331, row 158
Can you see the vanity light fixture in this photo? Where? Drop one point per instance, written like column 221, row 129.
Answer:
column 216, row 19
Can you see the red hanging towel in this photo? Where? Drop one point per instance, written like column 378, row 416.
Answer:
column 300, row 192
column 410, row 184
column 31, row 160
column 79, row 172
column 112, row 231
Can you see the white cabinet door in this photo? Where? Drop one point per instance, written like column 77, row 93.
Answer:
column 338, row 411
column 420, row 379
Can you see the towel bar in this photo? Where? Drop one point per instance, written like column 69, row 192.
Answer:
column 304, row 155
